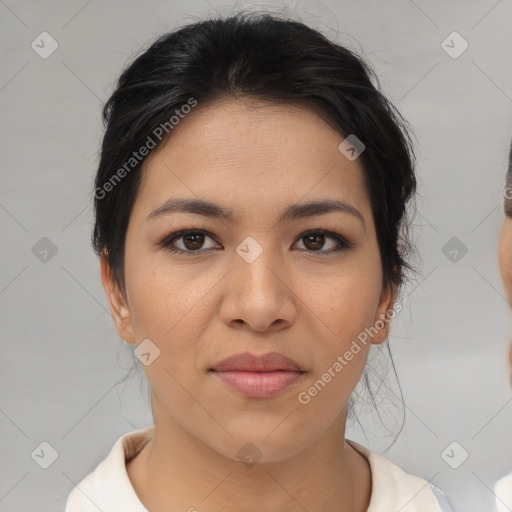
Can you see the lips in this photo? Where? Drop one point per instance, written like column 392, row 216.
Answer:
column 263, row 376
column 269, row 362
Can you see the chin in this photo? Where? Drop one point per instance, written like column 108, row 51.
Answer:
column 259, row 447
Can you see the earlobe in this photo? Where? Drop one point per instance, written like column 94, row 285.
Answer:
column 118, row 308
column 385, row 313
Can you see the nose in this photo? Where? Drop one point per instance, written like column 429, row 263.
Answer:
column 258, row 295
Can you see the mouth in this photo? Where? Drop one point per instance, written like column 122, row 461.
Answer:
column 255, row 376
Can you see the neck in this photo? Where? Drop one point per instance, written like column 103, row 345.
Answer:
column 176, row 471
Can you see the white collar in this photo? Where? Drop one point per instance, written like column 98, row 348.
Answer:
column 109, row 489
column 394, row 489
column 503, row 492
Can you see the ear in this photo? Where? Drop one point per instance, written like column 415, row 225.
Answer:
column 385, row 312
column 118, row 305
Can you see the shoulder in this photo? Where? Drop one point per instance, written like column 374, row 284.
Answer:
column 503, row 492
column 394, row 489
column 108, row 487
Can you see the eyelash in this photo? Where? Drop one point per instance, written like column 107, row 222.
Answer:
column 166, row 241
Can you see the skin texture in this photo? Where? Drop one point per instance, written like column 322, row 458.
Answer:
column 505, row 265
column 256, row 159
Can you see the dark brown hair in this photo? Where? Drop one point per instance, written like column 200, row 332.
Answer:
column 508, row 186
column 269, row 58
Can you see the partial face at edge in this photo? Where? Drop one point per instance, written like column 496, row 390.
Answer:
column 505, row 265
column 299, row 297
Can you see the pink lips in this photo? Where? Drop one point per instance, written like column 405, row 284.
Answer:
column 262, row 376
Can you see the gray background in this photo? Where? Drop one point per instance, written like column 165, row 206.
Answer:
column 61, row 359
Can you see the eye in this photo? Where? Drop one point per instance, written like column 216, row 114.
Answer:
column 315, row 240
column 192, row 241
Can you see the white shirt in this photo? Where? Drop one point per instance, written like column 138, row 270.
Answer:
column 109, row 489
column 503, row 492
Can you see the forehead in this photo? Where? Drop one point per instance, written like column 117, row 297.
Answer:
column 250, row 152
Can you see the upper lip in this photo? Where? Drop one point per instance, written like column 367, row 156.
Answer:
column 272, row 361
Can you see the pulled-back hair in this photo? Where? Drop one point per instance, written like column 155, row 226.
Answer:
column 265, row 57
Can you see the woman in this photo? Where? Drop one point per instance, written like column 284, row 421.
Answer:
column 503, row 488
column 250, row 206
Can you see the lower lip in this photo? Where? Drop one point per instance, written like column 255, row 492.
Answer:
column 259, row 384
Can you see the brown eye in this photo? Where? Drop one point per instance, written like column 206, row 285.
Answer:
column 193, row 241
column 186, row 241
column 315, row 241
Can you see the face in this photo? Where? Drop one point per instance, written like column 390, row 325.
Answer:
column 505, row 256
column 304, row 285
column 505, row 264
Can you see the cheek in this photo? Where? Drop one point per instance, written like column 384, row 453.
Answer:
column 166, row 300
column 347, row 302
column 345, row 308
column 505, row 260
column 171, row 309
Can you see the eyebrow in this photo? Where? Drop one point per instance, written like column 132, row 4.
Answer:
column 290, row 213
